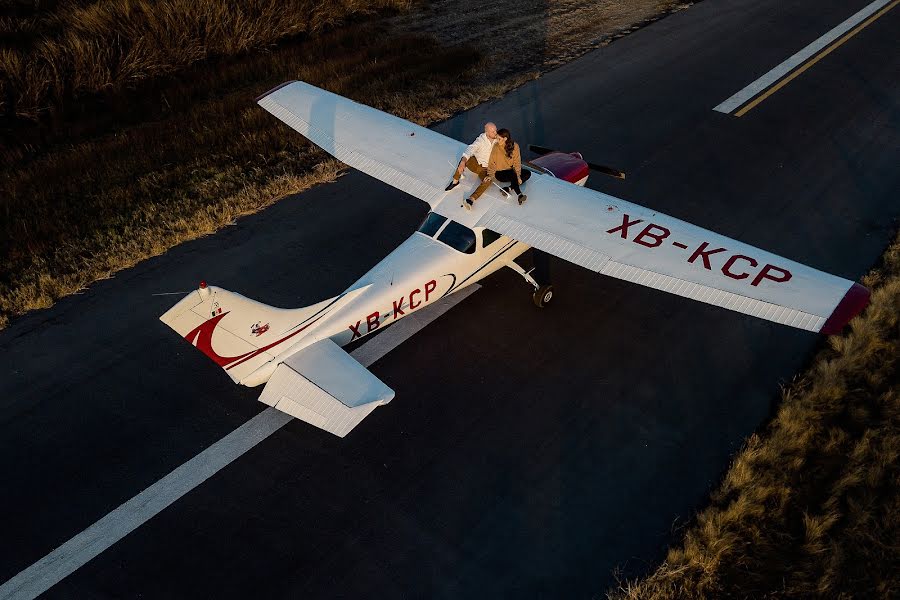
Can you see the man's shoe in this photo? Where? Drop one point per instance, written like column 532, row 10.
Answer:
column 507, row 190
column 452, row 185
column 468, row 204
column 522, row 199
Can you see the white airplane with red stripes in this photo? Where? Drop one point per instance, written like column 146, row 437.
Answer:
column 298, row 353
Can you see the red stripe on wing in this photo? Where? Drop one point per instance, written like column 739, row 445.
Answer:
column 853, row 302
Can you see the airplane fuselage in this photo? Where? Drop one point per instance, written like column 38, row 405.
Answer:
column 441, row 258
column 419, row 272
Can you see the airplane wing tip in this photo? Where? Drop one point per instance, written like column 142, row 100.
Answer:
column 853, row 303
column 274, row 89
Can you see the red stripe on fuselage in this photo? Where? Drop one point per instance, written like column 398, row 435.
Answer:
column 203, row 336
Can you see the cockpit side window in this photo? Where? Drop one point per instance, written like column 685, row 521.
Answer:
column 432, row 223
column 488, row 237
column 459, row 237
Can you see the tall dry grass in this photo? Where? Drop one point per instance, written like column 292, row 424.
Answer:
column 84, row 48
column 810, row 507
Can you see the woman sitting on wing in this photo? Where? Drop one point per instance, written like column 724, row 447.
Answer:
column 505, row 164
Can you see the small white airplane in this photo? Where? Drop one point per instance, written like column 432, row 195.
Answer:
column 297, row 352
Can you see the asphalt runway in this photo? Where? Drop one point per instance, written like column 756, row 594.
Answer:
column 527, row 453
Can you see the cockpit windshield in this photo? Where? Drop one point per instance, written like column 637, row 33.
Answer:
column 458, row 237
column 432, row 223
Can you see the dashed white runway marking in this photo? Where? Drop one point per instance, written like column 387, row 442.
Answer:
column 88, row 544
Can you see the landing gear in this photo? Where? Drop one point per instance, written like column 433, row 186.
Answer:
column 542, row 296
column 542, row 293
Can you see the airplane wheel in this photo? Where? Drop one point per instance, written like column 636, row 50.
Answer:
column 542, row 296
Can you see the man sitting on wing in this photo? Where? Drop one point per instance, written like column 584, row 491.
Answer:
column 476, row 158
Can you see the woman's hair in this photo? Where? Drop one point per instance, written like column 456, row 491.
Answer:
column 510, row 144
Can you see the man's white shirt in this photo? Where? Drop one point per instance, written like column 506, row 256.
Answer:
column 480, row 149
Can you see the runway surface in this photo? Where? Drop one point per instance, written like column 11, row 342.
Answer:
column 527, row 453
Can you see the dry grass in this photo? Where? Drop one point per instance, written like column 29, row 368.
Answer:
column 810, row 508
column 107, row 45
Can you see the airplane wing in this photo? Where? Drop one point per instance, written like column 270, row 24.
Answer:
column 589, row 228
column 409, row 157
column 617, row 238
column 324, row 386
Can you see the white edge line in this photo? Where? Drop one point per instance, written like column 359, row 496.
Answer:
column 797, row 59
column 83, row 547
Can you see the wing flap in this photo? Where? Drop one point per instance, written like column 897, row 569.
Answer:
column 709, row 295
column 324, row 386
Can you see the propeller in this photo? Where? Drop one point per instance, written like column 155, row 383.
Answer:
column 541, row 150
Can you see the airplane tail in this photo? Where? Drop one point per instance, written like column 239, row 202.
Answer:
column 237, row 333
column 319, row 383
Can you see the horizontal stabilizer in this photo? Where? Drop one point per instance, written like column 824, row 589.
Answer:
column 324, row 386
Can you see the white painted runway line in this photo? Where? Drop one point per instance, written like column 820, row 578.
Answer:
column 799, row 58
column 88, row 544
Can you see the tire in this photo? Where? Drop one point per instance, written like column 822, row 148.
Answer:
column 542, row 296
